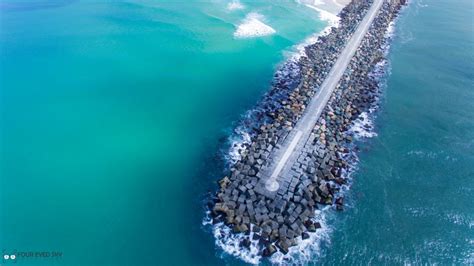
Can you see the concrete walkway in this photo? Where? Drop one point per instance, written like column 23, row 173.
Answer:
column 290, row 149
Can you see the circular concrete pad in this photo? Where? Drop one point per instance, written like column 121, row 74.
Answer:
column 272, row 185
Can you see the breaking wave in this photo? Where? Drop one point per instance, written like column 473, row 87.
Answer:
column 307, row 249
column 304, row 252
column 325, row 15
column 235, row 5
column 252, row 26
column 363, row 126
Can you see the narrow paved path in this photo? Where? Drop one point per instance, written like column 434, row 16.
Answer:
column 302, row 130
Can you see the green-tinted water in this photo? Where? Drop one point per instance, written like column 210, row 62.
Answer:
column 111, row 115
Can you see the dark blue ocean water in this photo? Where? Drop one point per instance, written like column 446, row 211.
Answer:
column 413, row 192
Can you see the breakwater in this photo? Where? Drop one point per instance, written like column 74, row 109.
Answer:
column 280, row 219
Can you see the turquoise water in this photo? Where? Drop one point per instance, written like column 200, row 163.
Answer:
column 114, row 115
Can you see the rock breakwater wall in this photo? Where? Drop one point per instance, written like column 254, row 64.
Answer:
column 282, row 221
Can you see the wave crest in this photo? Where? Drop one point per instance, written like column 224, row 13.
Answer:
column 252, row 26
column 235, row 5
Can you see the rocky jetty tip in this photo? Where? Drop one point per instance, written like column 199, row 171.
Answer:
column 283, row 217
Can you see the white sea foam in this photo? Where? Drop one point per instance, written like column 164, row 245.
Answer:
column 333, row 22
column 333, row 19
column 239, row 143
column 252, row 26
column 318, row 2
column 230, row 243
column 327, row 9
column 307, row 249
column 235, row 5
column 363, row 126
column 302, row 253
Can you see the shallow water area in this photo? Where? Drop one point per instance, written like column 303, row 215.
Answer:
column 112, row 117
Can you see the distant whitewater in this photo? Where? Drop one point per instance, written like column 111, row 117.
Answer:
column 253, row 26
column 235, row 5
